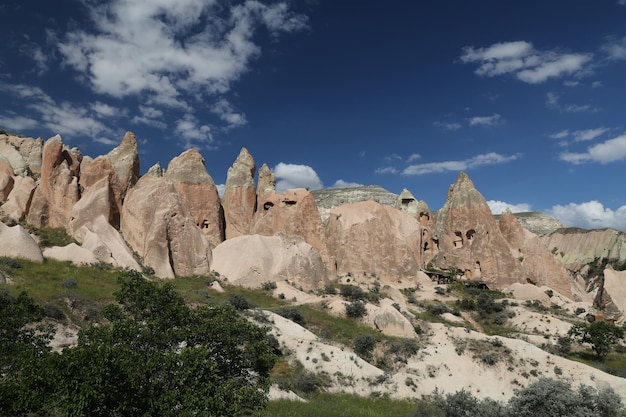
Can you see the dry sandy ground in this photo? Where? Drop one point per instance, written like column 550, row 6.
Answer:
column 452, row 357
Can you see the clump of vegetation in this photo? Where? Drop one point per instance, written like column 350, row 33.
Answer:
column 356, row 309
column 152, row 345
column 291, row 313
column 9, row 263
column 69, row 282
column 601, row 336
column 50, row 236
column 364, row 345
column 268, row 286
column 238, row 301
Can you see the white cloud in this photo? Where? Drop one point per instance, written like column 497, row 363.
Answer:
column 15, row 123
column 449, row 126
column 63, row 118
column 470, row 163
column 553, row 102
column 150, row 116
column 596, row 84
column 290, row 176
column 193, row 133
column 104, row 110
column 345, row 184
column 588, row 134
column 224, row 110
column 621, row 2
column 413, row 157
column 220, row 189
column 386, row 170
column 606, row 152
column 492, row 120
column 570, row 83
column 560, row 135
column 497, row 207
column 521, row 59
column 616, row 49
column 167, row 48
column 590, row 215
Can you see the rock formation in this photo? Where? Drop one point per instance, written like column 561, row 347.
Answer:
column 18, row 201
column 156, row 224
column 294, row 213
column 15, row 242
column 198, row 193
column 327, row 199
column 368, row 238
column 72, row 253
column 579, row 247
column 6, row 179
column 239, row 200
column 470, row 240
column 57, row 190
column 267, row 181
column 254, row 259
column 125, row 160
column 538, row 265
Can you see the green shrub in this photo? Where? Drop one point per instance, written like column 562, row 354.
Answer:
column 352, row 292
column 268, row 286
column 54, row 311
column 291, row 313
column 69, row 282
column 238, row 301
column 364, row 344
column 356, row 309
column 437, row 309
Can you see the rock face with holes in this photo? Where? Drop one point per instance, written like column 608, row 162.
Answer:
column 239, row 200
column 294, row 213
column 538, row 265
column 469, row 238
column 254, row 259
column 198, row 193
column 368, row 238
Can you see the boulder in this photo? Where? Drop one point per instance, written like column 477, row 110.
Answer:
column 72, row 253
column 106, row 243
column 9, row 152
column 254, row 259
column 15, row 242
column 198, row 193
column 389, row 320
column 368, row 238
column 239, row 200
column 157, row 226
column 611, row 297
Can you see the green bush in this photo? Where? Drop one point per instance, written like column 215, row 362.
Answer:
column 238, row 301
column 356, row 309
column 69, row 282
column 268, row 286
column 291, row 313
column 352, row 293
column 364, row 345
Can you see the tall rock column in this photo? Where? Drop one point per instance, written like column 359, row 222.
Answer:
column 57, row 190
column 239, row 200
column 198, row 193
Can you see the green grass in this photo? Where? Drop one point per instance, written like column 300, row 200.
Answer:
column 42, row 281
column 341, row 405
column 327, row 326
column 614, row 363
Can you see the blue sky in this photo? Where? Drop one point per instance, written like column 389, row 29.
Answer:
column 529, row 98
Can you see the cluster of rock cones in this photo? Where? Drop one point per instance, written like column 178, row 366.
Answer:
column 174, row 222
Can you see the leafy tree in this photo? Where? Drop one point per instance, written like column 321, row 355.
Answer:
column 23, row 349
column 555, row 398
column 156, row 356
column 600, row 335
